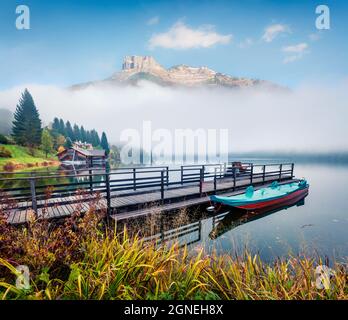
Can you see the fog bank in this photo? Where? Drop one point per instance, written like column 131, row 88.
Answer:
column 310, row 118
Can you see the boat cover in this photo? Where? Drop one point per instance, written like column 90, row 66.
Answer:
column 251, row 196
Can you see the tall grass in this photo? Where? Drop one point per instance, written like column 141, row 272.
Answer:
column 82, row 258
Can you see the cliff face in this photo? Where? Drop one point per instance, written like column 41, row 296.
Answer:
column 136, row 68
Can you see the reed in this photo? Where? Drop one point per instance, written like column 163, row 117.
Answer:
column 83, row 259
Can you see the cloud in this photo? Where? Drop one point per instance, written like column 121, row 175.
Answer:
column 113, row 109
column 153, row 21
column 272, row 31
column 298, row 48
column 295, row 52
column 181, row 37
column 246, row 43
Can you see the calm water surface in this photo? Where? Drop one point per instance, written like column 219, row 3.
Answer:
column 320, row 225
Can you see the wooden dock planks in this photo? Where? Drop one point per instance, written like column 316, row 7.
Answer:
column 175, row 198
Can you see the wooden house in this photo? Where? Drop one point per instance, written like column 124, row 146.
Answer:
column 81, row 155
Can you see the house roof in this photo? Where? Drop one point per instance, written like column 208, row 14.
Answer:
column 87, row 153
column 90, row 153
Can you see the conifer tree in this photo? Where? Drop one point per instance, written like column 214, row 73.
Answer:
column 83, row 134
column 69, row 131
column 62, row 129
column 88, row 137
column 77, row 133
column 68, row 143
column 26, row 128
column 105, row 144
column 56, row 127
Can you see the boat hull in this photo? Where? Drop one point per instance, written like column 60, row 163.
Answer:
column 275, row 202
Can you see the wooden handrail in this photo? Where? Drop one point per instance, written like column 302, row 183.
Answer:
column 134, row 179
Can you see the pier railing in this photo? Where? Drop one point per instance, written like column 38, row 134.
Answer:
column 32, row 189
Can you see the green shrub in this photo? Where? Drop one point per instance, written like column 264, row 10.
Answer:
column 3, row 139
column 4, row 153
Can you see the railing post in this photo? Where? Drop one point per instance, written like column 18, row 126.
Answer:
column 215, row 180
column 108, row 194
column 167, row 169
column 134, row 179
column 90, row 181
column 234, row 178
column 221, row 170
column 292, row 170
column 280, row 171
column 33, row 195
column 201, row 182
column 162, row 186
column 263, row 173
column 251, row 173
column 203, row 167
column 225, row 169
column 182, row 174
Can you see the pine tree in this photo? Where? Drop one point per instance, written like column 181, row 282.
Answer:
column 62, row 129
column 83, row 134
column 46, row 142
column 88, row 137
column 105, row 144
column 26, row 128
column 69, row 131
column 68, row 143
column 95, row 138
column 56, row 126
column 77, row 133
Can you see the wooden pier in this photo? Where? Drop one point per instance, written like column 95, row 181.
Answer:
column 129, row 192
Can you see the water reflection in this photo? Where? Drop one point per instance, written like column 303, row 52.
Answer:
column 185, row 227
column 229, row 220
column 68, row 176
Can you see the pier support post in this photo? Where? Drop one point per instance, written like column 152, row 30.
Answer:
column 263, row 173
column 90, row 181
column 162, row 186
column 234, row 179
column 215, row 180
column 134, row 179
column 108, row 194
column 182, row 175
column 251, row 173
column 201, row 182
column 292, row 170
column 33, row 195
column 167, row 175
column 280, row 171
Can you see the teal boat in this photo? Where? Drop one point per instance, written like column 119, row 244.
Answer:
column 275, row 194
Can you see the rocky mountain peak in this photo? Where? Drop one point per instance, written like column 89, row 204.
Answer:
column 137, row 68
column 140, row 64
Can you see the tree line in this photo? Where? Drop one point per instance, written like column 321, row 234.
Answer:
column 27, row 130
column 78, row 133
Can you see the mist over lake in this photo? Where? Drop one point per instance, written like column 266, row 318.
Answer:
column 309, row 118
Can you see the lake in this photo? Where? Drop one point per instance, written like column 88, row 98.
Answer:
column 318, row 226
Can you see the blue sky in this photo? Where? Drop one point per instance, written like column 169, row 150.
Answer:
column 80, row 40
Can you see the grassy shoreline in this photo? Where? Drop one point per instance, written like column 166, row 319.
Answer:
column 83, row 258
column 22, row 159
